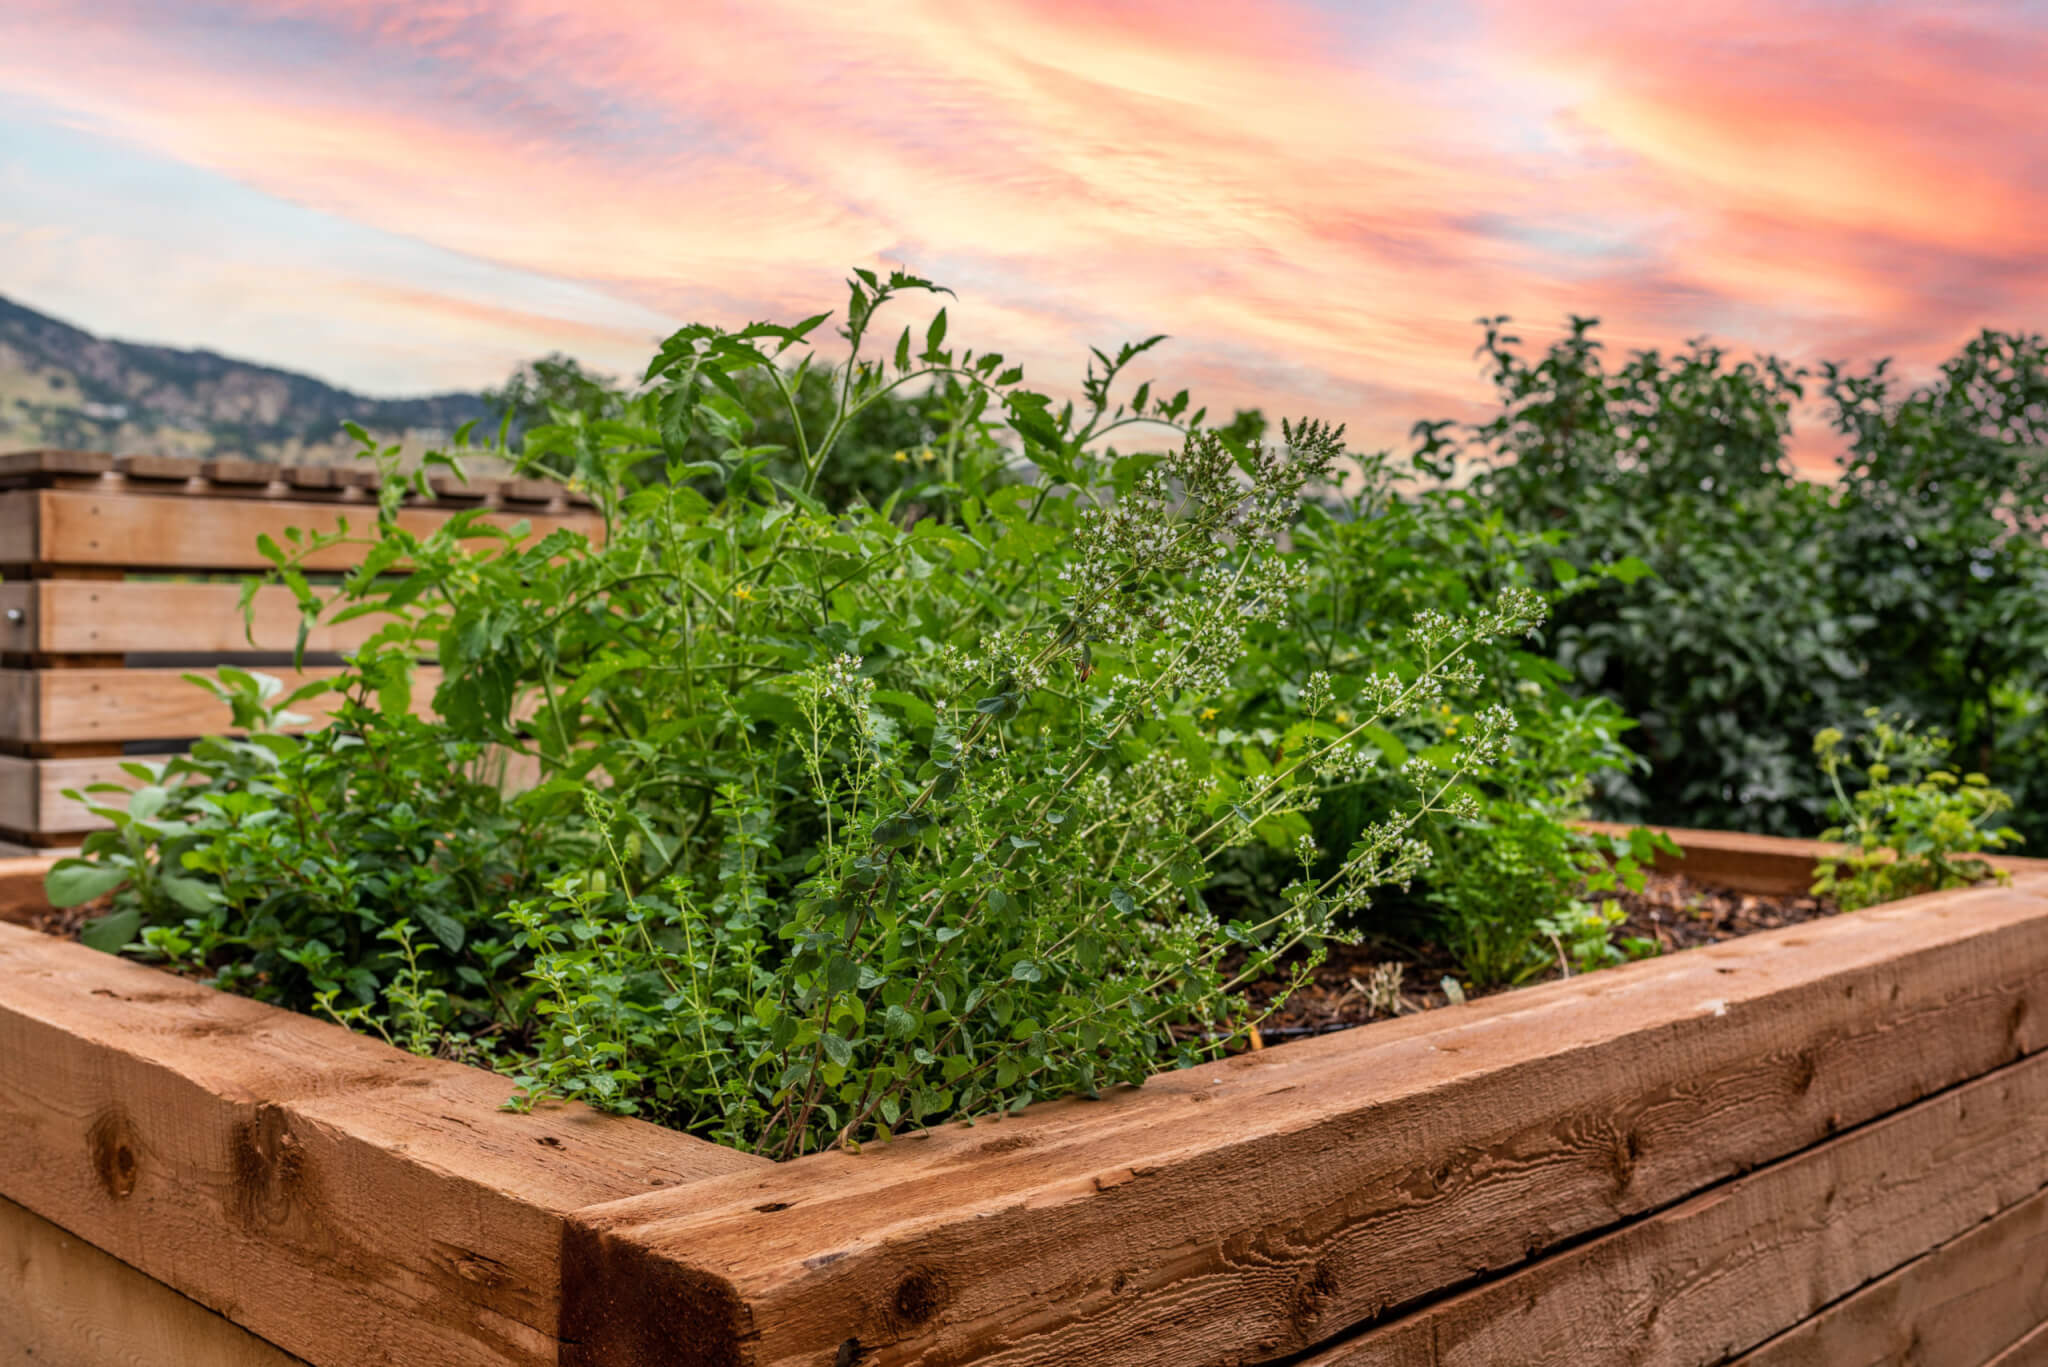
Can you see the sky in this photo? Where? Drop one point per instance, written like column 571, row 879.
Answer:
column 1314, row 199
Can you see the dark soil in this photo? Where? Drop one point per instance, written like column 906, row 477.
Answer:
column 1356, row 984
column 66, row 923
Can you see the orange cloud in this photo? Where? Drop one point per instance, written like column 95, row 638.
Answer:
column 1315, row 200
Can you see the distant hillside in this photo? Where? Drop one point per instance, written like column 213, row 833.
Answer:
column 60, row 386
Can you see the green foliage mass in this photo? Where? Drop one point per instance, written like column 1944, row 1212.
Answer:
column 855, row 811
column 910, row 747
column 1914, row 826
column 1777, row 604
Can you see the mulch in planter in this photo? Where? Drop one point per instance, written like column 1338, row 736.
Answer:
column 1357, row 984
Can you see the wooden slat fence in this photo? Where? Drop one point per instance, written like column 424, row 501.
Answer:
column 120, row 574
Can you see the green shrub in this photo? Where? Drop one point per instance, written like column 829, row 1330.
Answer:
column 1776, row 604
column 1914, row 826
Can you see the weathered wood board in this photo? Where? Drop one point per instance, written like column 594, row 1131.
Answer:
column 1255, row 1208
column 67, row 706
column 58, row 527
column 144, row 617
column 312, row 1185
column 63, row 1303
column 1962, row 1303
column 1964, row 1173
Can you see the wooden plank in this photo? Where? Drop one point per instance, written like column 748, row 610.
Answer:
column 1256, row 1207
column 148, row 465
column 21, row 888
column 64, row 1302
column 1719, row 1274
column 82, row 616
column 141, row 531
column 1962, row 1303
column 344, row 1200
column 14, row 464
column 20, row 705
column 32, row 800
column 75, row 705
column 20, row 794
column 233, row 470
column 1768, row 864
column 20, row 528
column 2031, row 1351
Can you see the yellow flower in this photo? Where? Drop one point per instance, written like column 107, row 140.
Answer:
column 927, row 455
column 1208, row 714
column 899, row 458
column 1343, row 717
column 743, row 593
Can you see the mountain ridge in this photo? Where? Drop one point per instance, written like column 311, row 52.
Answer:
column 61, row 385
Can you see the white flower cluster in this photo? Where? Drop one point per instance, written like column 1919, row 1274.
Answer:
column 1316, row 694
column 1345, row 763
column 842, row 679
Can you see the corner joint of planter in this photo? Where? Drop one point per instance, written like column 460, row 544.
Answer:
column 627, row 1304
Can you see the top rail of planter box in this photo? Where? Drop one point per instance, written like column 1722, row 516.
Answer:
column 90, row 510
column 1840, row 1123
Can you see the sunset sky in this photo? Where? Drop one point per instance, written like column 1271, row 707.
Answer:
column 1314, row 198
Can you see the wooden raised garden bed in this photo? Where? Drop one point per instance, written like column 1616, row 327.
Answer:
column 1824, row 1144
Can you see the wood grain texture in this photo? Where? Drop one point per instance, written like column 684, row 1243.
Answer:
column 1250, row 1209
column 1720, row 1273
column 71, row 705
column 152, row 531
column 20, row 528
column 79, row 616
column 20, row 704
column 2031, row 1351
column 21, row 887
column 342, row 1199
column 63, row 1303
column 32, row 800
column 1958, row 1305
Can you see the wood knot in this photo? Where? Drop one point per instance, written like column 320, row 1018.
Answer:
column 268, row 1166
column 111, row 1144
column 919, row 1297
column 1312, row 1292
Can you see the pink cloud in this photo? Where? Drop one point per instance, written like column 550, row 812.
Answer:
column 1316, row 212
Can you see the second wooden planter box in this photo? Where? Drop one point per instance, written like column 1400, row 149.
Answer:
column 1826, row 1144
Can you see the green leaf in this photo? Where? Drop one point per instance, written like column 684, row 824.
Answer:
column 193, row 894
column 443, row 927
column 74, row 882
column 1629, row 568
column 111, row 933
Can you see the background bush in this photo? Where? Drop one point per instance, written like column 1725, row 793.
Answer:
column 1780, row 605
